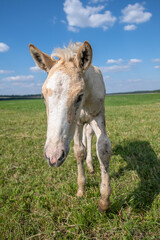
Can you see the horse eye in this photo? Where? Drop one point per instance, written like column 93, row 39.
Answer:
column 79, row 99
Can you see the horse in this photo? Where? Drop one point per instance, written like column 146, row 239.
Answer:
column 74, row 94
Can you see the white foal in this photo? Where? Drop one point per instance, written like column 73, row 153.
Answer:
column 74, row 94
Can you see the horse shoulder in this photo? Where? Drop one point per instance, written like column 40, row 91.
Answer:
column 95, row 86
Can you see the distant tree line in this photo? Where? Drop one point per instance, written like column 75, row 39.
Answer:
column 39, row 96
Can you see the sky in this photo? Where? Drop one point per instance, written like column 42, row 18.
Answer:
column 124, row 35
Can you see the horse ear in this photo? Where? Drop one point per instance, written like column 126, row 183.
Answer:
column 43, row 60
column 84, row 56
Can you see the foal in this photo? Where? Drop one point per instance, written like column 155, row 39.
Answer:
column 74, row 94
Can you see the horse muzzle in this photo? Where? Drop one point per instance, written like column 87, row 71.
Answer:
column 54, row 162
column 56, row 154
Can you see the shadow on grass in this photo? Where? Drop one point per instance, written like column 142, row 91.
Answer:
column 140, row 157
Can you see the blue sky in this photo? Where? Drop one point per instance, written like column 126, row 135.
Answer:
column 125, row 37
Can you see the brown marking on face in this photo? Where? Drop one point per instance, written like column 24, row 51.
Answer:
column 47, row 107
column 49, row 92
column 46, row 93
column 75, row 89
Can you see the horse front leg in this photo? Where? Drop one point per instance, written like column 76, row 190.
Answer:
column 88, row 134
column 80, row 153
column 103, row 147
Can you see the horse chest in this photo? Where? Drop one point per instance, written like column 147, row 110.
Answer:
column 85, row 116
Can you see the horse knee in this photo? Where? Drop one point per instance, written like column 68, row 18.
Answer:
column 89, row 131
column 80, row 152
column 104, row 148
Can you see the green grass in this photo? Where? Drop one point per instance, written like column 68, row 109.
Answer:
column 39, row 202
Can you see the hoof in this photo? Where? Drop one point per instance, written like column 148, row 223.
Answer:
column 80, row 193
column 103, row 205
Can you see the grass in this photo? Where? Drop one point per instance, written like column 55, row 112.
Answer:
column 39, row 202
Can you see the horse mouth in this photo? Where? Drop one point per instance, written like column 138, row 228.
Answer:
column 57, row 163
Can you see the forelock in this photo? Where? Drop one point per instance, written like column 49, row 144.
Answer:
column 68, row 53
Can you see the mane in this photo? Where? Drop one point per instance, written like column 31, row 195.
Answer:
column 68, row 53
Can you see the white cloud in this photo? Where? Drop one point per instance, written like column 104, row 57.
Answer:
column 3, row 47
column 35, row 69
column 5, row 71
column 109, row 61
column 96, row 1
column 115, row 68
column 156, row 67
column 134, row 80
column 64, row 22
column 134, row 60
column 118, row 67
column 24, row 84
column 135, row 14
column 20, row 87
column 156, row 60
column 18, row 78
column 79, row 16
column 73, row 29
column 130, row 27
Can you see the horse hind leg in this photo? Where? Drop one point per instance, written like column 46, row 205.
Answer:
column 88, row 134
column 103, row 147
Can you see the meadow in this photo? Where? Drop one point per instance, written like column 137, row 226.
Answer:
column 39, row 202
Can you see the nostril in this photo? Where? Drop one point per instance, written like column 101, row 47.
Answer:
column 62, row 157
column 55, row 158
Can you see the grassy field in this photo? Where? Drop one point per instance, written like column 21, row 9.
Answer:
column 39, row 202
